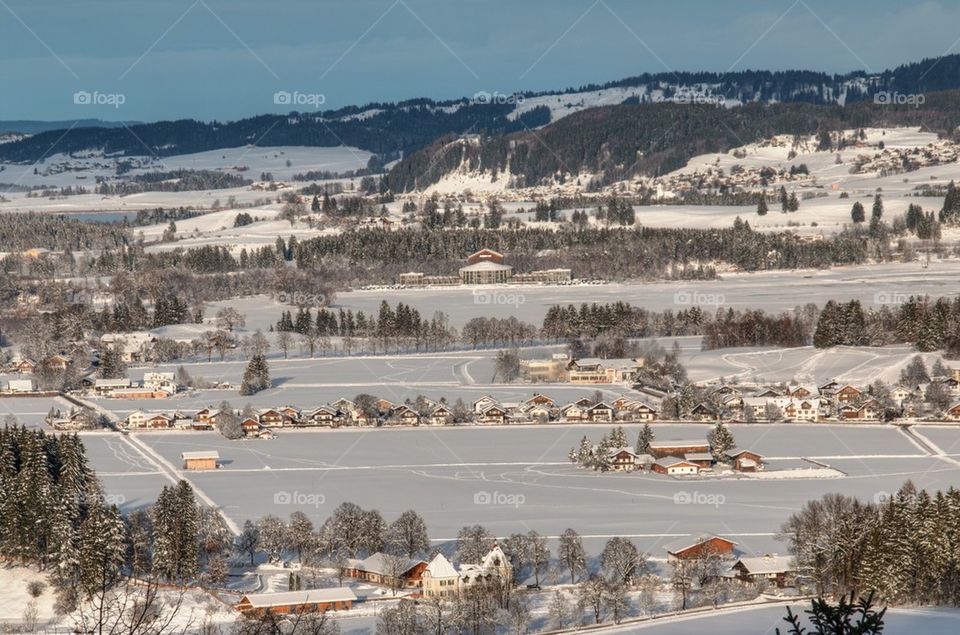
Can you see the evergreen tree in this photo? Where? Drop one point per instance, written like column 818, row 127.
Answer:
column 721, row 441
column 762, row 205
column 644, row 439
column 877, row 212
column 256, row 377
column 858, row 214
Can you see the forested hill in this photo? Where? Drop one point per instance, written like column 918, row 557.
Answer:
column 391, row 128
column 649, row 139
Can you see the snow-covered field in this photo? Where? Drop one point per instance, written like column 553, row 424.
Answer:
column 772, row 291
column 516, row 479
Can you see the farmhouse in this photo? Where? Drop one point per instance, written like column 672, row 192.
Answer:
column 24, row 366
column 701, row 547
column 672, row 466
column 288, row 602
column 953, row 412
column 441, row 416
column 779, row 570
column 600, row 413
column 250, row 427
column 847, row 394
column 323, row 416
column 623, row 460
column 200, row 460
column 381, row 568
column 703, row 460
column 593, row 370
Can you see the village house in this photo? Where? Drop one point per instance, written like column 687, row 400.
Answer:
column 107, row 386
column 206, row 417
column 250, row 427
column 847, row 394
column 494, row 566
column 200, row 460
column 405, row 415
column 699, row 548
column 493, row 414
column 746, row 460
column 323, row 416
column 600, row 413
column 275, row 418
column 540, row 413
column 672, row 466
column 780, row 571
column 703, row 460
column 623, row 460
column 160, row 382
column 572, row 412
column 133, row 347
column 296, row 602
column 57, row 362
column 869, row 410
column 24, row 366
column 703, row 412
column 382, row 569
column 441, row 416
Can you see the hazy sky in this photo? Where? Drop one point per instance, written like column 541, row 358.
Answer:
column 224, row 59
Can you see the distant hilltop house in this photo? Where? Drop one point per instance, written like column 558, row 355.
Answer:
column 486, row 267
column 133, row 346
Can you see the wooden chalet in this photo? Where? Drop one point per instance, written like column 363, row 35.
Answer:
column 746, row 460
column 673, row 466
column 379, row 568
column 780, row 571
column 200, row 460
column 600, row 413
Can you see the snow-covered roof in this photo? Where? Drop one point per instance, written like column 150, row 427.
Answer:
column 670, row 461
column 440, row 567
column 698, row 456
column 486, row 266
column 378, row 563
column 200, row 454
column 759, row 565
column 296, row 598
column 682, row 443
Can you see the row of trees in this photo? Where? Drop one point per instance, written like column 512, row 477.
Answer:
column 928, row 325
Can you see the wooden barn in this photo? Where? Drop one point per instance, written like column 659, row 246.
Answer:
column 287, row 602
column 200, row 460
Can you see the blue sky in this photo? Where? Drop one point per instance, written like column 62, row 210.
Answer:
column 224, row 59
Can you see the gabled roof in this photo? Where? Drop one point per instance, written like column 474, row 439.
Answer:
column 684, row 544
column 379, row 564
column 768, row 564
column 682, row 443
column 200, row 454
column 297, row 598
column 670, row 461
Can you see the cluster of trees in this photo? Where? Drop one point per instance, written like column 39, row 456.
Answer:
column 903, row 547
column 19, row 232
column 172, row 181
column 725, row 328
column 928, row 325
column 598, row 456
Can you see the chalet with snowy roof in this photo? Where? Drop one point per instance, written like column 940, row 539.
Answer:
column 847, row 394
column 274, row 418
column 704, row 412
column 745, row 460
column 441, row 415
column 494, row 566
column 953, row 412
column 768, row 393
column 405, row 415
column 392, row 571
column 103, row 386
column 484, row 402
column 830, row 388
column 674, row 466
column 700, row 547
column 322, row 416
column 780, row 571
column 540, row 413
column 57, row 362
column 540, row 400
column 493, row 415
column 24, row 366
column 869, row 410
column 676, row 448
column 572, row 412
column 623, row 460
column 639, row 411
column 600, row 413
column 206, row 416
column 250, row 427
column 296, row 602
column 802, row 392
column 384, row 405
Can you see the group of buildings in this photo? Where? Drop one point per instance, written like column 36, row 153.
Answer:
column 155, row 385
column 560, row 368
column 484, row 411
column 486, row 267
column 438, row 578
column 441, row 579
column 681, row 458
